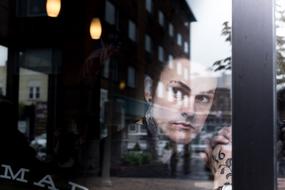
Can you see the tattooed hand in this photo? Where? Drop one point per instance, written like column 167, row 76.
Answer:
column 220, row 158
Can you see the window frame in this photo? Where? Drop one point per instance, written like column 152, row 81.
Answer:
column 253, row 43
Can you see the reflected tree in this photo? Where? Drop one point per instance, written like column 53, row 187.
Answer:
column 280, row 42
column 226, row 63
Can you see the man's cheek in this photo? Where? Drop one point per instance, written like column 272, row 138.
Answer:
column 200, row 120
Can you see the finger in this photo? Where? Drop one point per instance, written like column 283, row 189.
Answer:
column 219, row 140
column 226, row 132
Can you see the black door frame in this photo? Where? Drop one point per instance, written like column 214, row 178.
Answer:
column 254, row 97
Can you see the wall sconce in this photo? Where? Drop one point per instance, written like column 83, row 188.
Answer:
column 95, row 29
column 53, row 8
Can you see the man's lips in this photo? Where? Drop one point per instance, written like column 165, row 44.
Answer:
column 182, row 125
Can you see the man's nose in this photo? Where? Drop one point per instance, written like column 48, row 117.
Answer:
column 189, row 108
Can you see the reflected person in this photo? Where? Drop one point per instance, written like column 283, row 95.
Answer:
column 179, row 104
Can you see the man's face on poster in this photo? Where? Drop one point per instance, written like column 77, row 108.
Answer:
column 182, row 102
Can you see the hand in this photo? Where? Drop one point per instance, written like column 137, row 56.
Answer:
column 224, row 136
column 220, row 157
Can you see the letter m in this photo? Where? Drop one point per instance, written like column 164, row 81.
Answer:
column 9, row 174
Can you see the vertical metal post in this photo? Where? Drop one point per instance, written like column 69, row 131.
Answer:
column 254, row 110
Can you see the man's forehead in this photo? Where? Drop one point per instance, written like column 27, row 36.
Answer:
column 203, row 84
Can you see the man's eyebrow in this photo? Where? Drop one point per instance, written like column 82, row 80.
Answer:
column 208, row 92
column 181, row 84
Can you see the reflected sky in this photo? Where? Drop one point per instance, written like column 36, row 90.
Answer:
column 3, row 55
column 206, row 38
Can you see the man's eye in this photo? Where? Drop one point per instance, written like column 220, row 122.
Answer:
column 204, row 99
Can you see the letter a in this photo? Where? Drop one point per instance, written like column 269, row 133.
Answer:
column 47, row 180
column 75, row 186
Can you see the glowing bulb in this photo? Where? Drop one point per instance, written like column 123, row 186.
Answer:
column 122, row 85
column 53, row 8
column 95, row 29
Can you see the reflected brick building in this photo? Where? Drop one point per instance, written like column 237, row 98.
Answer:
column 85, row 76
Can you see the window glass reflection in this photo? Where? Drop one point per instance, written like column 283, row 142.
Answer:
column 146, row 105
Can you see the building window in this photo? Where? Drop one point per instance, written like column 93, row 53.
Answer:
column 37, row 92
column 34, row 92
column 143, row 129
column 147, row 43
column 132, row 30
column 186, row 48
column 31, row 8
column 170, row 61
column 132, row 128
column 179, row 39
column 160, row 89
column 110, row 13
column 171, row 30
column 148, row 5
column 161, row 18
column 160, row 54
column 131, row 77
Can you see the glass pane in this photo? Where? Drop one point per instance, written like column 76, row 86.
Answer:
column 3, row 69
column 33, row 98
column 145, row 105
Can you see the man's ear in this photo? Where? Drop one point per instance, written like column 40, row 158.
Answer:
column 148, row 89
